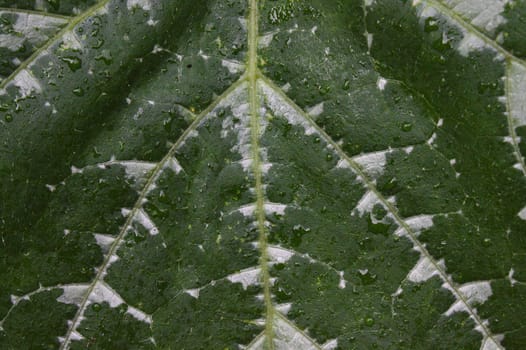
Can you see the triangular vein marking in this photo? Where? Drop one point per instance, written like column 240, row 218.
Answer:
column 104, row 241
column 72, row 293
column 468, row 15
column 285, row 107
column 473, row 37
column 287, row 336
column 101, row 293
column 516, row 107
column 31, row 26
column 280, row 255
column 99, row 6
column 137, row 210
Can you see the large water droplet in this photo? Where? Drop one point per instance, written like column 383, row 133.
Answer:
column 430, row 25
column 96, row 307
column 406, row 126
column 366, row 276
column 74, row 63
column 78, row 91
column 105, row 57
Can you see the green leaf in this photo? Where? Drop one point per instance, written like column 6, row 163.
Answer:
column 243, row 174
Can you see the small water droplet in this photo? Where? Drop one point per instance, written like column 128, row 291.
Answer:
column 328, row 157
column 486, row 242
column 406, row 126
column 8, row 118
column 366, row 276
column 369, row 321
column 98, row 44
column 105, row 57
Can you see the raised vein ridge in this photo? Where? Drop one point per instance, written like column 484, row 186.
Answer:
column 260, row 196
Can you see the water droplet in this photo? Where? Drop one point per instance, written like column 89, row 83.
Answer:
column 486, row 242
column 366, row 276
column 369, row 321
column 377, row 227
column 430, row 25
column 78, row 91
column 98, row 44
column 328, row 157
column 8, row 118
column 74, row 63
column 406, row 126
column 317, row 140
column 105, row 57
column 297, row 234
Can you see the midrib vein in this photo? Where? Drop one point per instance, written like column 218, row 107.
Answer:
column 252, row 76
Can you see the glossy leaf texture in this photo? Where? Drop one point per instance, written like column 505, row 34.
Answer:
column 248, row 174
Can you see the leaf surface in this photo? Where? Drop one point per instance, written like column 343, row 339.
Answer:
column 247, row 174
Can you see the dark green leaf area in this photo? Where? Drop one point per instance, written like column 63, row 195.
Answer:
column 503, row 313
column 464, row 92
column 68, row 126
column 62, row 238
column 360, row 109
column 514, row 30
column 73, row 201
column 304, row 171
column 66, row 7
column 471, row 253
column 37, row 323
column 202, row 235
column 423, row 182
column 154, row 283
column 378, row 320
column 113, row 328
column 65, row 259
column 418, row 315
column 222, row 317
column 20, row 42
column 216, row 30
